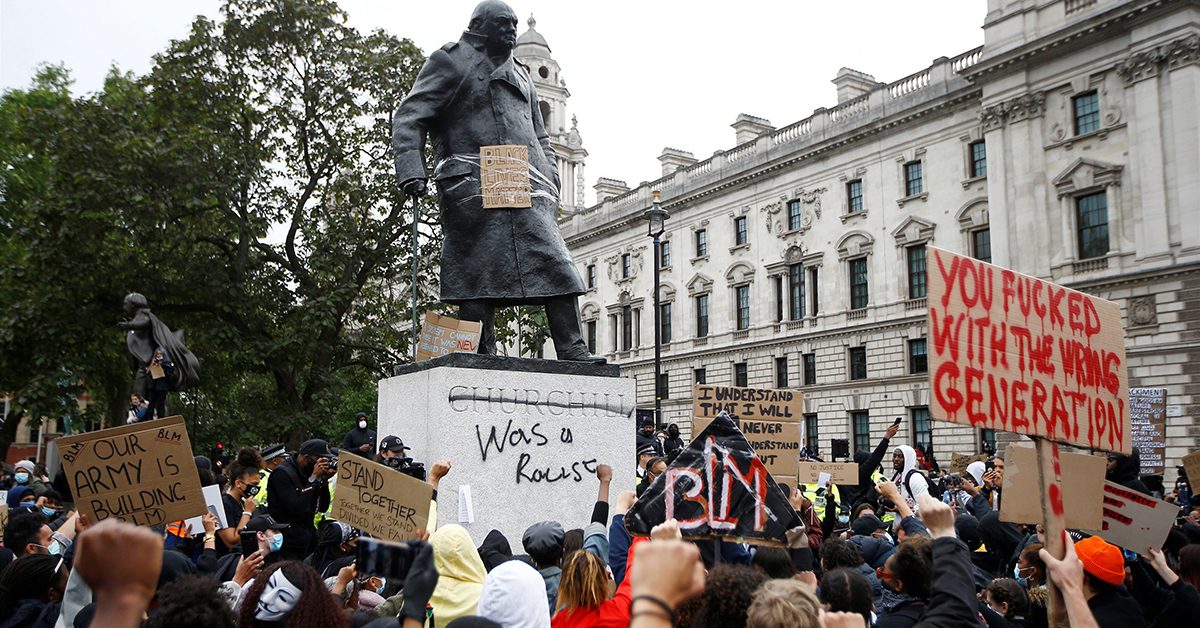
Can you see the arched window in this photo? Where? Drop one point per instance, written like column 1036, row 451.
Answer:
column 545, row 107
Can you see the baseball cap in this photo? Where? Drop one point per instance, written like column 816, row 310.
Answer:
column 392, row 443
column 274, row 450
column 262, row 523
column 866, row 525
column 1102, row 559
column 314, row 447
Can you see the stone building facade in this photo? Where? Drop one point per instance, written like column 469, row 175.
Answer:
column 1066, row 147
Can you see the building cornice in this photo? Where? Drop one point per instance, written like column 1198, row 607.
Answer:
column 1067, row 38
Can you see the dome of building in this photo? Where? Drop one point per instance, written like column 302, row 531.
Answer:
column 532, row 37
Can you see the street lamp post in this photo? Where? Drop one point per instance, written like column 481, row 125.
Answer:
column 657, row 217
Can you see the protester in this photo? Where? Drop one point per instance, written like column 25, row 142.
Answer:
column 645, row 438
column 26, row 475
column 27, row 533
column 239, row 500
column 299, row 489
column 359, row 440
column 335, row 540
column 868, row 469
column 512, row 595
column 849, row 591
column 908, row 477
column 1104, row 584
column 159, row 385
column 1123, row 469
column 1008, row 599
column 460, row 574
column 289, row 594
column 191, row 601
column 30, row 590
column 496, row 551
column 784, row 604
column 673, row 444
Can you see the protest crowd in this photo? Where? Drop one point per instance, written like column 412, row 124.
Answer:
column 907, row 545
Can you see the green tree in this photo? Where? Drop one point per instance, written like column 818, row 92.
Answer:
column 245, row 186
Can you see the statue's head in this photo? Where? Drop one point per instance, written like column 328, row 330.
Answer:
column 135, row 301
column 497, row 22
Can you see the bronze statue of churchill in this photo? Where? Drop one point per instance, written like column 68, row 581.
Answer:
column 469, row 94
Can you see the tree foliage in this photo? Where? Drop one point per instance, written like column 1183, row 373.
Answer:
column 245, row 185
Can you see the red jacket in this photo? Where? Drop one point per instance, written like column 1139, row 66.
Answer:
column 612, row 613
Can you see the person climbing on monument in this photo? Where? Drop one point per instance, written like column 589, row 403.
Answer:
column 360, row 440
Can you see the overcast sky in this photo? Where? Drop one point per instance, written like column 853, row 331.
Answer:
column 642, row 74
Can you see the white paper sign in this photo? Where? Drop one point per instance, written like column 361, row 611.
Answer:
column 466, row 510
column 212, row 500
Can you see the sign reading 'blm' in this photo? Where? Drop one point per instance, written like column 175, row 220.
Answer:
column 1015, row 353
column 379, row 500
column 142, row 473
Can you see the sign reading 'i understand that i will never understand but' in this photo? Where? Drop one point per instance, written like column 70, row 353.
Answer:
column 1015, row 353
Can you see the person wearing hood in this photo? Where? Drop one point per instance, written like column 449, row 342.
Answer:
column 460, row 574
column 512, row 595
column 26, row 475
column 495, row 550
column 868, row 465
column 360, row 440
column 908, row 478
column 1123, row 469
column 673, row 444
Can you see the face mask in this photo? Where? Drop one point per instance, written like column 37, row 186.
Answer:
column 49, row 512
column 362, row 425
column 21, row 477
column 55, row 549
column 252, row 490
column 276, row 542
column 279, row 597
column 26, row 505
column 1017, row 576
column 843, row 519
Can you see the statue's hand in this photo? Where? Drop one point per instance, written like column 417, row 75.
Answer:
column 415, row 188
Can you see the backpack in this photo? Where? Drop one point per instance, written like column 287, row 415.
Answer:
column 936, row 489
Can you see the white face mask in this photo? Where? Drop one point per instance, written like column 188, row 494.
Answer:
column 279, row 597
column 362, row 425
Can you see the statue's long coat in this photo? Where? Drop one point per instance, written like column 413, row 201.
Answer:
column 463, row 100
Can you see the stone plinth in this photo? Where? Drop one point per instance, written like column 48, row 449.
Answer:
column 525, row 435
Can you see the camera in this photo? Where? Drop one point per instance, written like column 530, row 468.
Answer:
column 407, row 467
column 333, row 462
column 389, row 560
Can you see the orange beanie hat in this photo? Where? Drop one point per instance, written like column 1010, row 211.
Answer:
column 1102, row 559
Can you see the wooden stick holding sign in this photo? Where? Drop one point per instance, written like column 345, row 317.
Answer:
column 1050, row 480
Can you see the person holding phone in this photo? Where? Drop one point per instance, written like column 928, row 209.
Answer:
column 238, row 501
column 299, row 490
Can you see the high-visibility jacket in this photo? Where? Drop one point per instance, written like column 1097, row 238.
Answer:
column 819, row 501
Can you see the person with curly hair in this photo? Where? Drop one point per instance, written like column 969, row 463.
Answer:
column 728, row 594
column 1008, row 599
column 848, row 590
column 290, row 595
column 192, row 601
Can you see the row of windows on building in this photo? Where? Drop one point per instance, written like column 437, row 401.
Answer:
column 856, row 368
column 796, row 294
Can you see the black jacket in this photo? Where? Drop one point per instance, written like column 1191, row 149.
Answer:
column 295, row 501
column 643, row 440
column 1114, row 608
column 867, row 464
column 1126, row 472
column 356, row 438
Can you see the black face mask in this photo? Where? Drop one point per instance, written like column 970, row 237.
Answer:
column 252, row 490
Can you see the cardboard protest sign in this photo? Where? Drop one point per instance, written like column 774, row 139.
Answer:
column 1148, row 427
column 844, row 473
column 1082, row 487
column 1134, row 520
column 1015, row 353
column 504, row 172
column 770, row 419
column 141, row 473
column 959, row 462
column 442, row 335
column 1191, row 466
column 716, row 487
column 380, row 501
